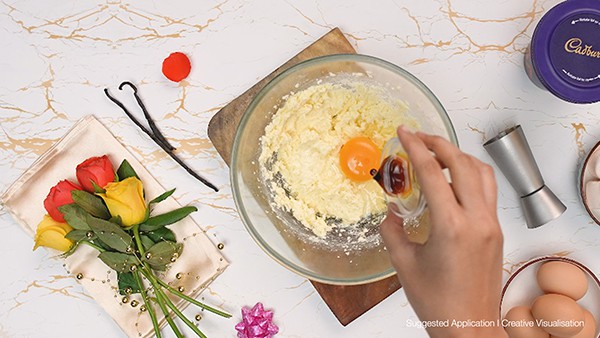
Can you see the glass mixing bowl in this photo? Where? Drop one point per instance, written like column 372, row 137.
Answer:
column 341, row 260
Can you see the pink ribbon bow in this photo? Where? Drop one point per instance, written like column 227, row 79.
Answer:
column 256, row 323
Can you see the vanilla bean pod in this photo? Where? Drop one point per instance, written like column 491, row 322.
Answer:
column 151, row 123
column 155, row 133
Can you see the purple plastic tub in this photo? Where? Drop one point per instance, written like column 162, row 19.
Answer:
column 564, row 55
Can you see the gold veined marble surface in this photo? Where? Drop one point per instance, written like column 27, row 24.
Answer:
column 57, row 56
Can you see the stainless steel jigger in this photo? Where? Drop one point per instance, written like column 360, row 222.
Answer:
column 513, row 156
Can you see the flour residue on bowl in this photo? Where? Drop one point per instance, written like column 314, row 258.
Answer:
column 299, row 157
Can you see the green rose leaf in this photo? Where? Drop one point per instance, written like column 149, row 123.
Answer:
column 98, row 189
column 147, row 242
column 75, row 216
column 125, row 170
column 127, row 283
column 90, row 203
column 78, row 235
column 101, row 244
column 161, row 254
column 117, row 261
column 163, row 196
column 111, row 234
column 116, row 220
column 162, row 234
column 159, row 221
column 147, row 215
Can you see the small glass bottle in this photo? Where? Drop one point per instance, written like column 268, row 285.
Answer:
column 397, row 178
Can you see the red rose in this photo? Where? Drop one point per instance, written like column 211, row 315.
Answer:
column 95, row 169
column 59, row 195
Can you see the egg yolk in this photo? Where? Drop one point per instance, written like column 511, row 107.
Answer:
column 358, row 157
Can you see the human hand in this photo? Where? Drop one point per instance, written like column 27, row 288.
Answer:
column 457, row 273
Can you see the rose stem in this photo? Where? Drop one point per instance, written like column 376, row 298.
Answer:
column 138, row 240
column 192, row 300
column 93, row 245
column 146, row 272
column 180, row 315
column 138, row 280
column 155, row 134
column 161, row 303
column 162, row 300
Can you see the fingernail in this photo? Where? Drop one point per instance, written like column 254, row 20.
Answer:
column 403, row 129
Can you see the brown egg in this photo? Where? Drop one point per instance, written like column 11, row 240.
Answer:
column 558, row 315
column 589, row 330
column 519, row 323
column 563, row 278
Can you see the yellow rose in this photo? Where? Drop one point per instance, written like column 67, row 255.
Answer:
column 51, row 234
column 126, row 199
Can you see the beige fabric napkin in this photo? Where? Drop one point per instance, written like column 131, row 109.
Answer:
column 199, row 263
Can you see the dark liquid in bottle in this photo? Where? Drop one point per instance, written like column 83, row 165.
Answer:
column 392, row 176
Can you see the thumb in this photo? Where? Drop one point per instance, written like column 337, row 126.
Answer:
column 399, row 247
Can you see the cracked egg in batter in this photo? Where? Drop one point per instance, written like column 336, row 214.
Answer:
column 300, row 149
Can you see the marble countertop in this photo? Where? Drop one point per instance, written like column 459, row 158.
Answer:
column 58, row 56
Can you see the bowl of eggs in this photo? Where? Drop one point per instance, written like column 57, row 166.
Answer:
column 551, row 297
column 589, row 183
column 303, row 159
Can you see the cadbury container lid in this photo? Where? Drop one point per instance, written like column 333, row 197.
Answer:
column 565, row 51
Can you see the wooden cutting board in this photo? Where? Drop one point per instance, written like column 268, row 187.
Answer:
column 346, row 302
